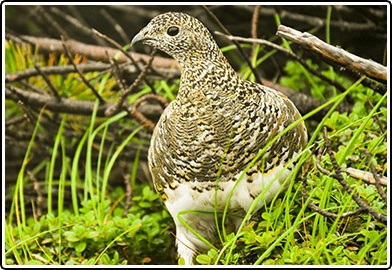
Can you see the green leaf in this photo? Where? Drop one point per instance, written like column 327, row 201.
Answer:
column 81, row 246
column 181, row 261
column 92, row 235
column 72, row 237
column 146, row 192
column 79, row 229
column 145, row 204
column 203, row 259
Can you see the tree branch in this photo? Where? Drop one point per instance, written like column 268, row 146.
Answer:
column 334, row 54
column 71, row 106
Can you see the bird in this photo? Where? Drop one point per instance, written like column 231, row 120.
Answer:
column 207, row 137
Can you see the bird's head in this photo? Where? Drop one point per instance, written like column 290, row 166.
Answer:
column 181, row 36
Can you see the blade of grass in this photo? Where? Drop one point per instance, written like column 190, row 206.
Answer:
column 12, row 243
column 53, row 162
column 114, row 240
column 351, row 144
column 18, row 192
column 98, row 174
column 191, row 229
column 61, row 191
column 36, row 236
column 135, row 166
column 75, row 173
column 88, row 184
column 113, row 159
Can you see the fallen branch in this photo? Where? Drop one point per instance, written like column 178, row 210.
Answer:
column 365, row 176
column 334, row 54
column 71, row 106
column 94, row 52
column 363, row 207
column 54, row 70
column 314, row 207
column 377, row 180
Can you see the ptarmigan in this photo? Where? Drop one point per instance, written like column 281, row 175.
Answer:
column 217, row 125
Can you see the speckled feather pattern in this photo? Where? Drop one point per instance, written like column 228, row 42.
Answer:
column 216, row 114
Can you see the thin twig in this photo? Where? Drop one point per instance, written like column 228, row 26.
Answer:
column 355, row 75
column 115, row 72
column 376, row 177
column 40, row 197
column 92, row 52
column 314, row 207
column 142, row 120
column 128, row 200
column 292, row 55
column 47, row 80
column 50, row 21
column 70, row 106
column 314, row 21
column 255, row 19
column 117, row 107
column 346, row 186
column 363, row 207
column 15, row 121
column 118, row 46
column 96, row 94
column 242, row 53
column 318, row 165
column 53, row 70
column 365, row 176
column 115, row 25
column 377, row 118
column 32, row 87
column 26, row 112
column 83, row 29
column 75, row 12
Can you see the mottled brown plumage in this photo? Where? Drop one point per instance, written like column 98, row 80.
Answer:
column 216, row 114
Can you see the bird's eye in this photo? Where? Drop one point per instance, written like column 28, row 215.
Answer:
column 173, row 30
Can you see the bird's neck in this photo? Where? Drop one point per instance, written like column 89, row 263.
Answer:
column 206, row 80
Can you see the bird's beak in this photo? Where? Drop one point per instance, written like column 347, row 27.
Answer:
column 139, row 37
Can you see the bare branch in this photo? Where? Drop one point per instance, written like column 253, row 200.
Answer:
column 117, row 107
column 128, row 193
column 242, row 53
column 55, row 70
column 50, row 21
column 48, row 83
column 115, row 25
column 94, row 52
column 292, row 55
column 255, row 19
column 71, row 106
column 101, row 100
column 365, row 176
column 338, row 176
column 363, row 207
column 376, row 177
column 335, row 54
column 140, row 117
column 314, row 207
column 118, row 46
column 83, row 29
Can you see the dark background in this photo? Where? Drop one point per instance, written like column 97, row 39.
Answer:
column 360, row 29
